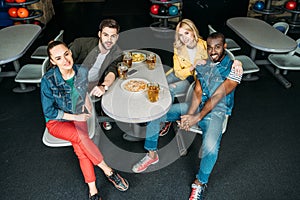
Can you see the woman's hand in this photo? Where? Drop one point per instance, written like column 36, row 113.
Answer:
column 82, row 117
column 237, row 67
column 198, row 62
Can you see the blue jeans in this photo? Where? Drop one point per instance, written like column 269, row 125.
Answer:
column 178, row 86
column 211, row 126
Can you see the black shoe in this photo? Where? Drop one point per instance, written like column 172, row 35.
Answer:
column 95, row 197
column 165, row 129
column 119, row 182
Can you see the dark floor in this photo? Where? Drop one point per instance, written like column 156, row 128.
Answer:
column 258, row 159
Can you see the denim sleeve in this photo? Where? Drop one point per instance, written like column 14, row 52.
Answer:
column 48, row 101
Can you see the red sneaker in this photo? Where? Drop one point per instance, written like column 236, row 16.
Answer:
column 198, row 192
column 107, row 126
column 143, row 164
column 165, row 129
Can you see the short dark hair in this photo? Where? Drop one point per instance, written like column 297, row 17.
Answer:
column 216, row 35
column 111, row 23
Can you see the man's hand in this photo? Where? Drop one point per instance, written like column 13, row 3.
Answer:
column 97, row 91
column 198, row 62
column 237, row 67
column 187, row 121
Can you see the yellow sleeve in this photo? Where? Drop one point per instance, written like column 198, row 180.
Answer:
column 181, row 66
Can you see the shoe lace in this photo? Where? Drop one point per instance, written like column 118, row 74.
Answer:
column 115, row 178
column 144, row 161
column 197, row 193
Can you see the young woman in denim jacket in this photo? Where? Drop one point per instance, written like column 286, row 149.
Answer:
column 66, row 108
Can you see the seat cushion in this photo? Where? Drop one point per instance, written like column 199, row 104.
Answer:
column 30, row 73
column 248, row 65
column 285, row 61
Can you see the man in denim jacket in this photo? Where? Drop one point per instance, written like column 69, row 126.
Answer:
column 212, row 100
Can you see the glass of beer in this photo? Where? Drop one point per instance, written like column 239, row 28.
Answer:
column 153, row 91
column 151, row 60
column 122, row 71
column 127, row 59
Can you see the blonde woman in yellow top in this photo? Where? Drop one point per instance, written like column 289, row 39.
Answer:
column 190, row 50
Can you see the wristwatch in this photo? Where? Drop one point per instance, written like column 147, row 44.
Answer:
column 105, row 87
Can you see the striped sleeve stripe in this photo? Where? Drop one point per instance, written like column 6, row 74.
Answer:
column 233, row 76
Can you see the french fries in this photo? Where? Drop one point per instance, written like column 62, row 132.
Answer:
column 138, row 57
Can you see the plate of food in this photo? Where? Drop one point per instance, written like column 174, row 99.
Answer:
column 134, row 85
column 138, row 57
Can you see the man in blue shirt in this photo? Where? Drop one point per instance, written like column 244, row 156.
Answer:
column 212, row 100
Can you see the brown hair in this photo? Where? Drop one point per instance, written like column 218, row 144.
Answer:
column 51, row 45
column 111, row 23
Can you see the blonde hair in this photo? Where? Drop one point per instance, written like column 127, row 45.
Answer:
column 189, row 26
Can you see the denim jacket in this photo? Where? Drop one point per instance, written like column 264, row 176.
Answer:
column 211, row 76
column 56, row 93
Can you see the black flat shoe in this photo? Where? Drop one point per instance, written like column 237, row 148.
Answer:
column 95, row 197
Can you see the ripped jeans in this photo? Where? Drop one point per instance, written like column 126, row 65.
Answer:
column 178, row 86
column 211, row 126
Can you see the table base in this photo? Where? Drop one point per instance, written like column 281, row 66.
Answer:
column 279, row 77
column 133, row 132
column 131, row 138
column 24, row 89
column 275, row 73
column 8, row 74
column 250, row 77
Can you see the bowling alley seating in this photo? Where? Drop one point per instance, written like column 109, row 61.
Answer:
column 282, row 26
column 52, row 141
column 30, row 73
column 249, row 67
column 247, row 63
column 287, row 61
column 231, row 44
column 41, row 51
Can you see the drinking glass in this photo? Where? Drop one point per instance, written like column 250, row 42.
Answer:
column 122, row 71
column 153, row 92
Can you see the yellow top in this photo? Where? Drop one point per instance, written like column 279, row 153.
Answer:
column 182, row 62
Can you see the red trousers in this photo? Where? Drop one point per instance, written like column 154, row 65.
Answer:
column 85, row 149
